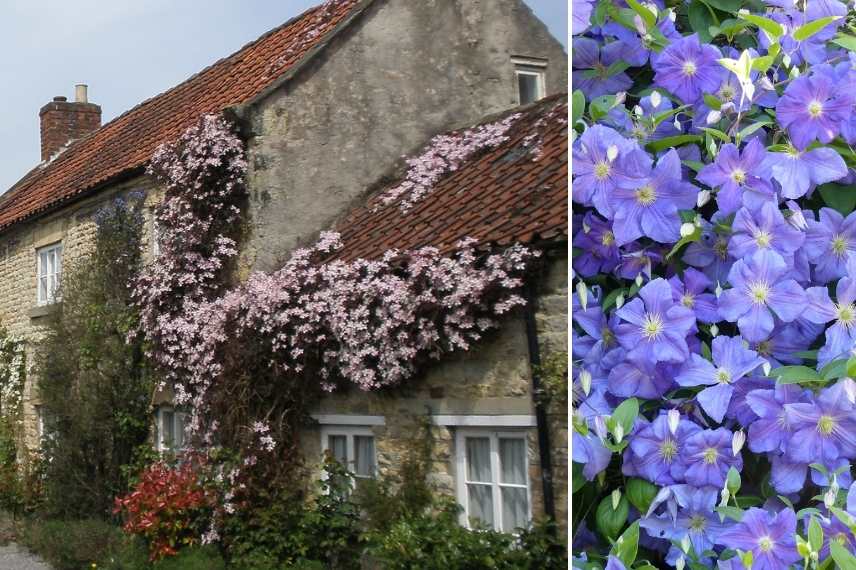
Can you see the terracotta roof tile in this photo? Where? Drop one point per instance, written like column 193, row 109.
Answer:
column 126, row 143
column 499, row 196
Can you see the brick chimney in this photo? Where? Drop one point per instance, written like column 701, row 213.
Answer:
column 62, row 121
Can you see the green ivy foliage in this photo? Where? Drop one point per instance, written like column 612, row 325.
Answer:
column 93, row 383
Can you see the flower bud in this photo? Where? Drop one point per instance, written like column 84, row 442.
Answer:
column 703, row 198
column 686, row 544
column 639, row 280
column 638, row 111
column 737, row 441
column 674, row 418
column 616, row 498
column 639, row 25
column 687, row 229
column 724, row 495
column 680, row 563
column 618, row 432
column 619, row 300
column 714, row 330
column 718, row 290
column 585, row 381
column 713, row 117
column 656, row 99
column 766, row 367
column 766, row 84
column 786, row 60
column 600, row 428
column 612, row 153
column 672, row 15
column 830, row 496
column 582, row 293
column 620, row 97
column 677, row 123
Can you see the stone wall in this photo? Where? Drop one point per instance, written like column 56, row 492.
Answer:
column 492, row 379
column 402, row 73
column 20, row 314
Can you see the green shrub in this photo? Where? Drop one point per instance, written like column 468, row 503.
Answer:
column 130, row 554
column 71, row 545
column 193, row 558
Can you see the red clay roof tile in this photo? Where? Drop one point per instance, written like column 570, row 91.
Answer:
column 499, row 196
column 126, row 143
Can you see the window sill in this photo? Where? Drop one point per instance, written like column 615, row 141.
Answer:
column 40, row 311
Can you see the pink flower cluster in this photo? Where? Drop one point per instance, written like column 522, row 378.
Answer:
column 446, row 153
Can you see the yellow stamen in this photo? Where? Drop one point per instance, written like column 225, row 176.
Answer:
column 652, row 326
column 825, row 424
column 738, row 176
column 710, row 455
column 759, row 292
column 765, row 544
column 763, row 239
column 815, row 109
column 602, row 170
column 839, row 245
column 690, row 68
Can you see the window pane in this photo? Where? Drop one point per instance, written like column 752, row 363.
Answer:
column 179, row 430
column 478, row 459
column 480, row 499
column 512, row 460
column 528, row 88
column 515, row 508
column 58, row 260
column 338, row 446
column 43, row 288
column 43, row 263
column 364, row 456
column 168, row 423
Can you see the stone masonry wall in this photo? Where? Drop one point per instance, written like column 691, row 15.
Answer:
column 404, row 72
column 19, row 313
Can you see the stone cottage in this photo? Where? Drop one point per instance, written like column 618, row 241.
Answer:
column 327, row 103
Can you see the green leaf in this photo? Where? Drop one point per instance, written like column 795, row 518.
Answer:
column 846, row 41
column 705, row 352
column 609, row 300
column 700, row 19
column 726, row 5
column 609, row 521
column 693, row 164
column 693, row 237
column 669, row 142
column 578, row 106
column 763, row 63
column 600, row 106
column 617, row 68
column 717, row 133
column 851, row 367
column 627, row 545
column 842, row 556
column 640, row 493
column 626, row 414
column 644, row 13
column 748, row 130
column 577, row 477
column 771, row 27
column 815, row 534
column 806, row 31
column 712, row 102
column 733, row 481
column 835, row 369
column 795, row 374
column 841, row 198
column 730, row 512
column 806, row 354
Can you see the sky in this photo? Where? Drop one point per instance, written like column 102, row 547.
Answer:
column 128, row 51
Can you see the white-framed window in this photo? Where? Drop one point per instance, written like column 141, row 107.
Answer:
column 169, row 429
column 45, row 424
column 49, row 271
column 530, row 79
column 493, row 478
column 353, row 447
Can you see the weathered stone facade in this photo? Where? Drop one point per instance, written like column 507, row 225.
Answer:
column 403, row 72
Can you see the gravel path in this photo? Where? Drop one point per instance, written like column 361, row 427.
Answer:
column 14, row 557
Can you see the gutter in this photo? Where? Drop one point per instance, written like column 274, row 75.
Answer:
column 546, row 460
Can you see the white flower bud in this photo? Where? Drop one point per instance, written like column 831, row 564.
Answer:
column 718, row 290
column 582, row 293
column 612, row 153
column 672, row 15
column 687, row 229
column 702, row 198
column 639, row 25
column 618, row 432
column 743, row 11
column 656, row 99
column 737, row 441
column 766, row 367
column 674, row 418
column 677, row 123
column 686, row 544
column 766, row 84
column 619, row 300
column 600, row 428
column 849, row 389
column 829, row 497
column 639, row 280
column 616, row 498
column 638, row 111
column 786, row 60
column 724, row 495
column 586, row 228
column 713, row 117
column 714, row 330
column 620, row 97
column 585, row 381
column 796, row 219
column 680, row 563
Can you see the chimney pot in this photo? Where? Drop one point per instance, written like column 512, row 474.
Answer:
column 80, row 93
column 63, row 121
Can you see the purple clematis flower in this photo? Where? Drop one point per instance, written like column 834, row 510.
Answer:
column 655, row 452
column 813, row 108
column 739, row 409
column 587, row 449
column 772, row 430
column 696, row 521
column 710, row 254
column 595, row 240
column 841, row 336
column 637, row 259
column 797, row 171
column 651, row 209
column 591, row 61
column 581, row 16
column 759, row 286
column 830, row 243
column 787, row 476
column 641, row 378
column 706, row 458
column 603, row 162
column 824, row 429
column 786, row 340
column 769, row 537
column 763, row 229
column 731, row 362
column 687, row 69
column 692, row 293
column 733, row 173
column 655, row 327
